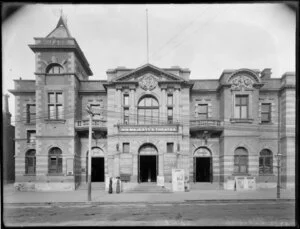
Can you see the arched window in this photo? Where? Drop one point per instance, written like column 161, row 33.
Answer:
column 55, row 69
column 148, row 110
column 265, row 162
column 30, row 162
column 55, row 161
column 241, row 160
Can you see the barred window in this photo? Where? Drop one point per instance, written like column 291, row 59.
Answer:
column 55, row 161
column 265, row 162
column 30, row 162
column 241, row 161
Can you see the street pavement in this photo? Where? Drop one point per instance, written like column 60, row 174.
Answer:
column 255, row 213
column 10, row 196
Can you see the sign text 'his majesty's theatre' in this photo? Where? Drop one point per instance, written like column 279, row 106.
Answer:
column 148, row 128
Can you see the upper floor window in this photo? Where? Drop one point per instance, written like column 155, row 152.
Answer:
column 31, row 136
column 148, row 110
column 170, row 100
column 55, row 105
column 170, row 115
column 30, row 113
column 126, row 115
column 55, row 69
column 241, row 107
column 265, row 162
column 96, row 111
column 202, row 111
column 241, row 161
column 126, row 100
column 55, row 161
column 30, row 162
column 170, row 147
column 126, row 147
column 266, row 112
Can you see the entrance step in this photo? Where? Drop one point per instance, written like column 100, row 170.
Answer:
column 204, row 186
column 147, row 188
column 95, row 186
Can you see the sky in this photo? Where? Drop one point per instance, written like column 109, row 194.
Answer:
column 206, row 38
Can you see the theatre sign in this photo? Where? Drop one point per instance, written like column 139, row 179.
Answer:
column 148, row 128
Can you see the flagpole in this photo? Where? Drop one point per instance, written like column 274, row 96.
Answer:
column 147, row 36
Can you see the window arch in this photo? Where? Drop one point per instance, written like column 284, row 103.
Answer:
column 240, row 160
column 265, row 162
column 148, row 110
column 54, row 69
column 30, row 162
column 55, row 161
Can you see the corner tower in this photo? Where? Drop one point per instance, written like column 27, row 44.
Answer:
column 60, row 66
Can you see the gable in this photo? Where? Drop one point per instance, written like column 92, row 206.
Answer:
column 146, row 72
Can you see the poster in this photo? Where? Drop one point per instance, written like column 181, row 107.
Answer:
column 245, row 183
column 251, row 183
column 160, row 181
column 178, row 180
column 240, row 183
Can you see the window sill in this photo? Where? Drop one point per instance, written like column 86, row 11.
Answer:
column 29, row 175
column 241, row 174
column 55, row 174
column 238, row 120
column 29, row 123
column 266, row 175
column 55, row 120
column 266, row 123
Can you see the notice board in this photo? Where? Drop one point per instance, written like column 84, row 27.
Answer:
column 178, row 180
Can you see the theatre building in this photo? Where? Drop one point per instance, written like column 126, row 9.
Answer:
column 147, row 121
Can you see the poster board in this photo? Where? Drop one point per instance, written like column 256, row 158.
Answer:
column 245, row 183
column 230, row 184
column 160, row 181
column 178, row 180
column 70, row 167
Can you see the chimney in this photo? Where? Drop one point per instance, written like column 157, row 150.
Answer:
column 266, row 73
column 6, row 96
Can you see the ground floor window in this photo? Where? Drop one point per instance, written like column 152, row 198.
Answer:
column 240, row 161
column 30, row 162
column 55, row 161
column 265, row 162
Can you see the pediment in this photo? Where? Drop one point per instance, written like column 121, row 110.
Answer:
column 148, row 74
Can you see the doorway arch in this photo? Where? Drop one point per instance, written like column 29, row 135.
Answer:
column 98, row 165
column 202, row 165
column 147, row 163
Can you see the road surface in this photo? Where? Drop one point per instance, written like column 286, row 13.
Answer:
column 268, row 213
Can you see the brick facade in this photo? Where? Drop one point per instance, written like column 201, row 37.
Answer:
column 216, row 137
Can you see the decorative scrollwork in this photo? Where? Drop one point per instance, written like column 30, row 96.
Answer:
column 241, row 81
column 148, row 82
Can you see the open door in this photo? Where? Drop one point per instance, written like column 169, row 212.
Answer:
column 194, row 170
column 211, row 171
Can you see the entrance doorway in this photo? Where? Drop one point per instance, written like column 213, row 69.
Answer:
column 97, row 169
column 203, row 169
column 148, row 168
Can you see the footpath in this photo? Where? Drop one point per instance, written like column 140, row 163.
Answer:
column 10, row 196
